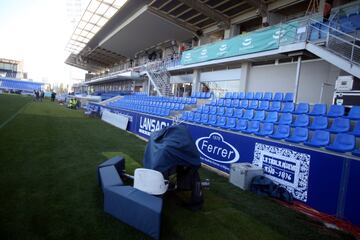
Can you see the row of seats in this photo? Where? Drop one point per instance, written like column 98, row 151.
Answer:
column 19, row 85
column 232, row 109
column 338, row 125
column 267, row 96
column 203, row 95
column 131, row 103
column 344, row 142
column 183, row 100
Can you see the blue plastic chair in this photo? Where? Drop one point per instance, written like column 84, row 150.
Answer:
column 208, row 95
column 229, row 112
column 282, row 131
column 230, row 123
column 199, row 109
column 205, row 109
column 197, row 117
column 228, row 95
column 356, row 152
column 244, row 103
column 213, row 102
column 285, row 119
column 203, row 95
column 227, row 103
column 184, row 116
column 238, row 113
column 320, row 138
column 302, row 108
column 275, row 106
column 213, row 110
column 340, row 125
column 343, row 143
column 235, row 103
column 253, row 127
column 241, row 95
column 253, row 104
column 221, row 122
column 266, row 129
column 271, row 117
column 258, row 95
column 212, row 120
column 356, row 130
column 249, row 95
column 241, row 125
column 278, row 96
column 248, row 114
column 204, row 118
column 354, row 113
column 289, row 97
column 288, row 107
column 220, row 111
column 220, row 102
column 299, row 135
column 301, row 121
column 336, row 111
column 319, row 109
column 190, row 116
column 268, row 96
column 319, row 122
column 198, row 94
column 264, row 105
column 259, row 115
column 235, row 95
column 354, row 18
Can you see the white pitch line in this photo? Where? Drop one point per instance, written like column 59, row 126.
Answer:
column 13, row 116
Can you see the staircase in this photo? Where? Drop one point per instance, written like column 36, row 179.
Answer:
column 334, row 46
column 159, row 77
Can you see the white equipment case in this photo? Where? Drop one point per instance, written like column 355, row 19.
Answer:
column 241, row 174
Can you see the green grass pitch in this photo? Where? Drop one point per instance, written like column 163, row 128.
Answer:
column 49, row 190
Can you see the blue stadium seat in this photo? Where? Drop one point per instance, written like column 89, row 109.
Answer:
column 235, row 95
column 266, row 129
column 268, row 96
column 259, row 115
column 190, row 116
column 318, row 109
column 184, row 116
column 285, row 119
column 289, row 97
column 347, row 27
column 204, row 118
column 165, row 112
column 299, row 135
column 249, row 95
column 354, row 113
column 278, row 96
column 228, row 95
column 282, row 131
column 230, row 123
column 319, row 122
column 258, row 95
column 275, row 106
column 301, row 120
column 197, row 117
column 221, row 122
column 343, row 143
column 229, row 112
column 198, row 95
column 208, row 95
column 227, row 103
column 220, row 102
column 203, row 95
column 212, row 120
column 336, row 111
column 253, row 104
column 253, row 127
column 320, row 138
column 199, row 109
column 248, row 114
column 244, row 103
column 271, row 117
column 356, row 130
column 356, row 152
column 220, row 111
column 301, row 108
column 205, row 109
column 354, row 18
column 238, row 113
column 241, row 95
column 235, row 103
column 213, row 110
column 264, row 105
column 340, row 125
column 288, row 107
column 193, row 100
column 213, row 102
column 241, row 125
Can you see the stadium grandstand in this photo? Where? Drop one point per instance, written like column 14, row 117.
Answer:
column 272, row 82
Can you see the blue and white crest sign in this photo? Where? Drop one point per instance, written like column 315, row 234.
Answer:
column 216, row 149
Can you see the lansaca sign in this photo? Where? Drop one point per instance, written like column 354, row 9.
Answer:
column 147, row 125
column 215, row 148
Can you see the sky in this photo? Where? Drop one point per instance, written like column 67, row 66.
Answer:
column 36, row 32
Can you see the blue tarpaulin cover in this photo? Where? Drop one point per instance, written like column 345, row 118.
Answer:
column 170, row 147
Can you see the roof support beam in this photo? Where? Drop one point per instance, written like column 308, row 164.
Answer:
column 260, row 5
column 207, row 11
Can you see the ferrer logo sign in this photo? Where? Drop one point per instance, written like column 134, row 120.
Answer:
column 215, row 148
